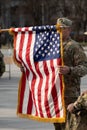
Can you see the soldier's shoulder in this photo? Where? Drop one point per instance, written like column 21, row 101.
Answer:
column 84, row 101
column 85, row 96
column 75, row 45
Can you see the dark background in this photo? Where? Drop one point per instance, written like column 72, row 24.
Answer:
column 20, row 13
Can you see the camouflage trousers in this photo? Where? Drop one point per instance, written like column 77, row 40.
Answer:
column 70, row 124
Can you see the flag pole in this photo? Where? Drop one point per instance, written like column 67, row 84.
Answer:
column 4, row 30
column 7, row 30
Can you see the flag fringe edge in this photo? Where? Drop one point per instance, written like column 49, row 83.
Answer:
column 51, row 120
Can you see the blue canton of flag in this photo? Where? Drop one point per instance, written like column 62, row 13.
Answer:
column 47, row 43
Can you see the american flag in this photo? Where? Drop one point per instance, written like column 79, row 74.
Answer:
column 41, row 89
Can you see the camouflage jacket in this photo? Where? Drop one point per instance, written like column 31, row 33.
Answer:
column 79, row 118
column 2, row 64
column 75, row 58
column 81, row 104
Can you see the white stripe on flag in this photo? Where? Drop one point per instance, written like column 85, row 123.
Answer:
column 25, row 99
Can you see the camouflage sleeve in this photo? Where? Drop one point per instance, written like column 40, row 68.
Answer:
column 2, row 64
column 81, row 103
column 79, row 67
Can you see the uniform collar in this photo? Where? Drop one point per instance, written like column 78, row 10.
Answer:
column 65, row 42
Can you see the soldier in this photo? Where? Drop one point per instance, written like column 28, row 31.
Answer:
column 79, row 110
column 2, row 64
column 75, row 67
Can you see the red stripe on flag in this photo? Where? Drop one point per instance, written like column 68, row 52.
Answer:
column 29, row 108
column 59, row 62
column 21, row 92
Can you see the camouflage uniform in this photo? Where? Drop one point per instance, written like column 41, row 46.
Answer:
column 2, row 64
column 79, row 122
column 75, row 58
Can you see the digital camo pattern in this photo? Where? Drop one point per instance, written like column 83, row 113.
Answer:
column 79, row 118
column 75, row 58
column 81, row 103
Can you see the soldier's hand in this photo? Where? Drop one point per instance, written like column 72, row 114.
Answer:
column 70, row 107
column 22, row 68
column 63, row 69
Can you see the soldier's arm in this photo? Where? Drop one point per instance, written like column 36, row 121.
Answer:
column 79, row 105
column 79, row 67
column 79, row 62
column 75, row 107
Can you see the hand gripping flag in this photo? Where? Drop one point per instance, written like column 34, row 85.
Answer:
column 41, row 89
